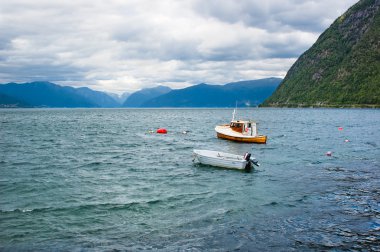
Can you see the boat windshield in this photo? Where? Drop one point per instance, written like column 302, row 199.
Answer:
column 236, row 125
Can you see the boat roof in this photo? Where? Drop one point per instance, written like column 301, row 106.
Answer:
column 242, row 121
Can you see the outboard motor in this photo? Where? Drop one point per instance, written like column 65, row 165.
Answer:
column 247, row 156
column 248, row 166
column 250, row 161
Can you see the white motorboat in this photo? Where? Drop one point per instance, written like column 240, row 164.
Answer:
column 226, row 160
column 240, row 131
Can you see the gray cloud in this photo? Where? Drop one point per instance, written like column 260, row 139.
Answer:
column 120, row 45
column 274, row 15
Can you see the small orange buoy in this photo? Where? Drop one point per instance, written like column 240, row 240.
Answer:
column 162, row 131
column 340, row 128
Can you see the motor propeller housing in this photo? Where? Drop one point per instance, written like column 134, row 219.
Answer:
column 247, row 157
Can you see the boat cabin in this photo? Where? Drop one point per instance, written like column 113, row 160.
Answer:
column 245, row 127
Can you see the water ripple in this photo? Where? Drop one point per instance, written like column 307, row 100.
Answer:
column 93, row 179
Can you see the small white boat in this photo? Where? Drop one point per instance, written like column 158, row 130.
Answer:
column 226, row 160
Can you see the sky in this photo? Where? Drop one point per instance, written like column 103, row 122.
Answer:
column 126, row 45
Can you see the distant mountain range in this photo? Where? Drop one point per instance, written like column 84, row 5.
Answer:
column 138, row 98
column 99, row 98
column 342, row 68
column 46, row 94
column 242, row 94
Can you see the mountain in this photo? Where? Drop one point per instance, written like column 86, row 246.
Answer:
column 46, row 94
column 120, row 99
column 99, row 98
column 140, row 97
column 342, row 68
column 244, row 93
column 11, row 102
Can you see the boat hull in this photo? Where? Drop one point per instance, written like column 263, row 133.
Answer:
column 260, row 139
column 211, row 158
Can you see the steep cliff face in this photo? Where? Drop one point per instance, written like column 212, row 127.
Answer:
column 342, row 68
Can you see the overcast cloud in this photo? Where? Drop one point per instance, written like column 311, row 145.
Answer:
column 126, row 45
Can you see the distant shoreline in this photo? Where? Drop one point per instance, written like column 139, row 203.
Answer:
column 272, row 107
column 372, row 106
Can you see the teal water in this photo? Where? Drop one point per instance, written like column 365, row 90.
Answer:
column 95, row 179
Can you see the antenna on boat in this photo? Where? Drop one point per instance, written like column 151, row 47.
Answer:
column 233, row 113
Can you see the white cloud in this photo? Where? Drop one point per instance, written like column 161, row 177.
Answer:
column 127, row 45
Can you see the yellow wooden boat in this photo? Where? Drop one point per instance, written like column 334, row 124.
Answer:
column 240, row 131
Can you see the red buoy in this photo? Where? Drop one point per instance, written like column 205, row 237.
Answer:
column 162, row 131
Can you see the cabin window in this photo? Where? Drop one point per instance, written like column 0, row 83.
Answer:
column 249, row 125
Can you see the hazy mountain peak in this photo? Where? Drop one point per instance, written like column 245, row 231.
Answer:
column 140, row 97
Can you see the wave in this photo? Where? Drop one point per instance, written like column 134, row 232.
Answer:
column 102, row 206
column 131, row 206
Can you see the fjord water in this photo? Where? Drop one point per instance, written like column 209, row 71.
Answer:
column 96, row 179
